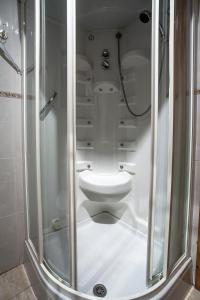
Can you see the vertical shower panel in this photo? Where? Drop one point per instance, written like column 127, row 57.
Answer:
column 183, row 69
column 30, row 124
column 162, row 141
column 53, row 137
column 154, row 122
column 49, row 136
column 169, row 203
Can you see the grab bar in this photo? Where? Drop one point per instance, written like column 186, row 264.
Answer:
column 44, row 111
column 30, row 69
column 4, row 53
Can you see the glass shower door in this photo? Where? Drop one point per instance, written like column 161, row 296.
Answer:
column 172, row 132
column 53, row 137
column 161, row 141
column 49, row 90
column 182, row 132
column 56, row 196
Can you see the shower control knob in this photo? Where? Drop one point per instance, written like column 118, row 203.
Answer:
column 105, row 64
column 106, row 53
column 3, row 35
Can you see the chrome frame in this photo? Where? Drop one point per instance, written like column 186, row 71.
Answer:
column 24, row 131
column 71, row 146
column 37, row 120
column 154, row 131
column 170, row 137
column 166, row 270
column 192, row 131
column 195, row 205
column 186, row 253
column 71, row 134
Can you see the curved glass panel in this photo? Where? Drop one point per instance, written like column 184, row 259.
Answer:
column 53, row 136
column 162, row 142
column 182, row 131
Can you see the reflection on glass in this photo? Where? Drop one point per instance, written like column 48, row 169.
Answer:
column 162, row 140
column 53, row 125
column 182, row 127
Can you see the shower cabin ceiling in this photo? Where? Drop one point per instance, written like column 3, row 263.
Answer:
column 109, row 14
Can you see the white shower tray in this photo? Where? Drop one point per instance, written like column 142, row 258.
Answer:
column 105, row 187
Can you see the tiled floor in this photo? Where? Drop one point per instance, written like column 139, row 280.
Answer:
column 15, row 285
column 193, row 294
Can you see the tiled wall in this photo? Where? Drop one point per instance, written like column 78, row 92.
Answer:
column 11, row 192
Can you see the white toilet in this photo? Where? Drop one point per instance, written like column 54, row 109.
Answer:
column 105, row 187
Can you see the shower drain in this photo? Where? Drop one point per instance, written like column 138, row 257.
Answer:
column 99, row 290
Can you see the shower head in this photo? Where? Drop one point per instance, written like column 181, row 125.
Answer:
column 145, row 17
column 118, row 35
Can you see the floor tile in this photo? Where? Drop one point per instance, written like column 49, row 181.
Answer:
column 193, row 294
column 17, row 277
column 26, row 295
column 7, row 290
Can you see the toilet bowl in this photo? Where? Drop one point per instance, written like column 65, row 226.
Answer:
column 105, row 187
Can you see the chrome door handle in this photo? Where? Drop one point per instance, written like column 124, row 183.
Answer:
column 44, row 111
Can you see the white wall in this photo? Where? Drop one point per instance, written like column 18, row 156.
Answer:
column 11, row 195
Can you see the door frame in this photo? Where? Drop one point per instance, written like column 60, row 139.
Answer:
column 71, row 137
column 154, row 96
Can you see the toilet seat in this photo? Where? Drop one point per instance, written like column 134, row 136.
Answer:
column 105, row 187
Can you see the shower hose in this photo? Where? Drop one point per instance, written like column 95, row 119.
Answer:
column 118, row 37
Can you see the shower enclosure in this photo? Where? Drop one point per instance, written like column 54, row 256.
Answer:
column 108, row 114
